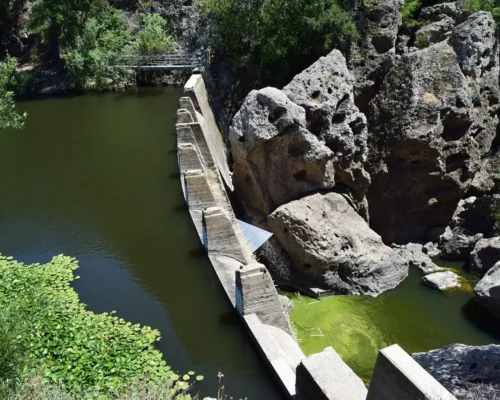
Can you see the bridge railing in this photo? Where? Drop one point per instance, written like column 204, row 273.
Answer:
column 167, row 59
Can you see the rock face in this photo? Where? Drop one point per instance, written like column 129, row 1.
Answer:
column 374, row 53
column 431, row 123
column 468, row 372
column 471, row 221
column 487, row 292
column 445, row 280
column 485, row 255
column 330, row 242
column 414, row 255
column 310, row 136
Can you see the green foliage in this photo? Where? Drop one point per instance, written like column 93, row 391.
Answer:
column 277, row 38
column 102, row 40
column 71, row 347
column 9, row 117
column 495, row 212
column 492, row 6
column 411, row 9
column 153, row 38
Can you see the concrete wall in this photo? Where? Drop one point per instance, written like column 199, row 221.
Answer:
column 249, row 287
column 195, row 88
column 397, row 376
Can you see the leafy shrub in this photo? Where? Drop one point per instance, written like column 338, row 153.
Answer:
column 492, row 6
column 102, row 40
column 9, row 117
column 277, row 38
column 72, row 347
column 153, row 38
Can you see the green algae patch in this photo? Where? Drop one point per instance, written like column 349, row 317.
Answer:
column 413, row 315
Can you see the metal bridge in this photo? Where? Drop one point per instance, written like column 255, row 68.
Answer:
column 160, row 62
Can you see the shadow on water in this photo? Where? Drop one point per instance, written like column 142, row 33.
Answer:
column 480, row 318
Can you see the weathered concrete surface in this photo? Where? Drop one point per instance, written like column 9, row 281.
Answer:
column 220, row 236
column 188, row 157
column 279, row 349
column 184, row 116
column 199, row 195
column 256, row 294
column 397, row 376
column 324, row 376
column 196, row 90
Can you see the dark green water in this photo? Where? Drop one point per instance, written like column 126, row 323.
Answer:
column 96, row 177
column 413, row 315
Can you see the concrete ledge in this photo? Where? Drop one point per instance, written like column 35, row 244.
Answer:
column 195, row 88
column 184, row 116
column 192, row 133
column 279, row 349
column 324, row 376
column 187, row 104
column 188, row 157
column 397, row 376
column 198, row 193
column 220, row 237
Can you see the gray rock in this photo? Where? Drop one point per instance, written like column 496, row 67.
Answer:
column 487, row 291
column 468, row 372
column 325, row 91
column 431, row 124
column 439, row 11
column 445, row 280
column 328, row 241
column 471, row 221
column 485, row 180
column 374, row 53
column 434, row 32
column 431, row 249
column 276, row 159
column 485, row 255
column 310, row 136
column 414, row 255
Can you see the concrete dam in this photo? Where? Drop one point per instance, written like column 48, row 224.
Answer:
column 229, row 243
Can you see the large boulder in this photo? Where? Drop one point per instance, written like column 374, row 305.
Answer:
column 487, row 291
column 310, row 136
column 276, row 159
column 373, row 54
column 485, row 255
column 432, row 122
column 328, row 241
column 471, row 221
column 468, row 372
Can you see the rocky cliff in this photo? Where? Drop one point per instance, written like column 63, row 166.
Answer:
column 404, row 129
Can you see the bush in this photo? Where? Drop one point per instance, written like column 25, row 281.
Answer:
column 9, row 117
column 277, row 38
column 70, row 347
column 492, row 6
column 153, row 38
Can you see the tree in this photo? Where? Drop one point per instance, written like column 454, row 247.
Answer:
column 11, row 13
column 278, row 38
column 153, row 38
column 61, row 22
column 101, row 41
column 9, row 117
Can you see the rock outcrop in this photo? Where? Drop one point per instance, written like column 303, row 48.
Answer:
column 471, row 221
column 487, row 292
column 468, row 372
column 445, row 280
column 374, row 53
column 431, row 123
column 485, row 255
column 328, row 241
column 309, row 136
column 414, row 255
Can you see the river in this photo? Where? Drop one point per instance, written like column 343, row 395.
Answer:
column 95, row 177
